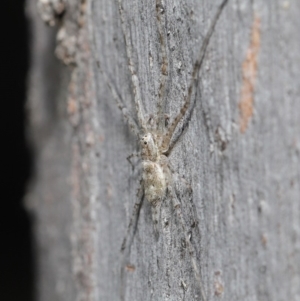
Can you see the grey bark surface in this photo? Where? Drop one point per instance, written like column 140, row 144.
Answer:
column 238, row 158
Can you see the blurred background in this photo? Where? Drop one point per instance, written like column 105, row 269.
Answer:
column 16, row 259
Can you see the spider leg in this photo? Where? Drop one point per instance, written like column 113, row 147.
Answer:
column 134, row 78
column 192, row 252
column 178, row 135
column 137, row 155
column 155, row 211
column 129, row 236
column 132, row 226
column 120, row 103
column 163, row 75
column 194, row 80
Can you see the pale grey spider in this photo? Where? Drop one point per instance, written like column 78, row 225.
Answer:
column 156, row 136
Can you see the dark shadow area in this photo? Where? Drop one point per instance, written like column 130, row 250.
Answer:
column 16, row 259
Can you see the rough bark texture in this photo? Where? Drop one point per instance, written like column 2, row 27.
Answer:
column 240, row 153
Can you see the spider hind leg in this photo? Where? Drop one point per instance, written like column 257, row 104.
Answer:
column 155, row 211
column 187, row 235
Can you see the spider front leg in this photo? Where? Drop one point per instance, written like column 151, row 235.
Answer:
column 187, row 107
column 120, row 103
column 134, row 78
column 161, row 104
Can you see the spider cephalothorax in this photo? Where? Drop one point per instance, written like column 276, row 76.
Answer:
column 150, row 149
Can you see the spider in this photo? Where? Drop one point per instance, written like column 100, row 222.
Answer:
column 158, row 137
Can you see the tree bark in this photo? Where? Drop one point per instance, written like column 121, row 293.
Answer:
column 239, row 155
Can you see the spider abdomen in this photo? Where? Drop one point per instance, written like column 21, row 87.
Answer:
column 154, row 181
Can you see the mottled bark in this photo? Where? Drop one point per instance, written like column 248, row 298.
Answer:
column 236, row 167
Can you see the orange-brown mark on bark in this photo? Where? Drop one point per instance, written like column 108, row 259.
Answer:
column 218, row 284
column 264, row 240
column 130, row 267
column 71, row 106
column 249, row 76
